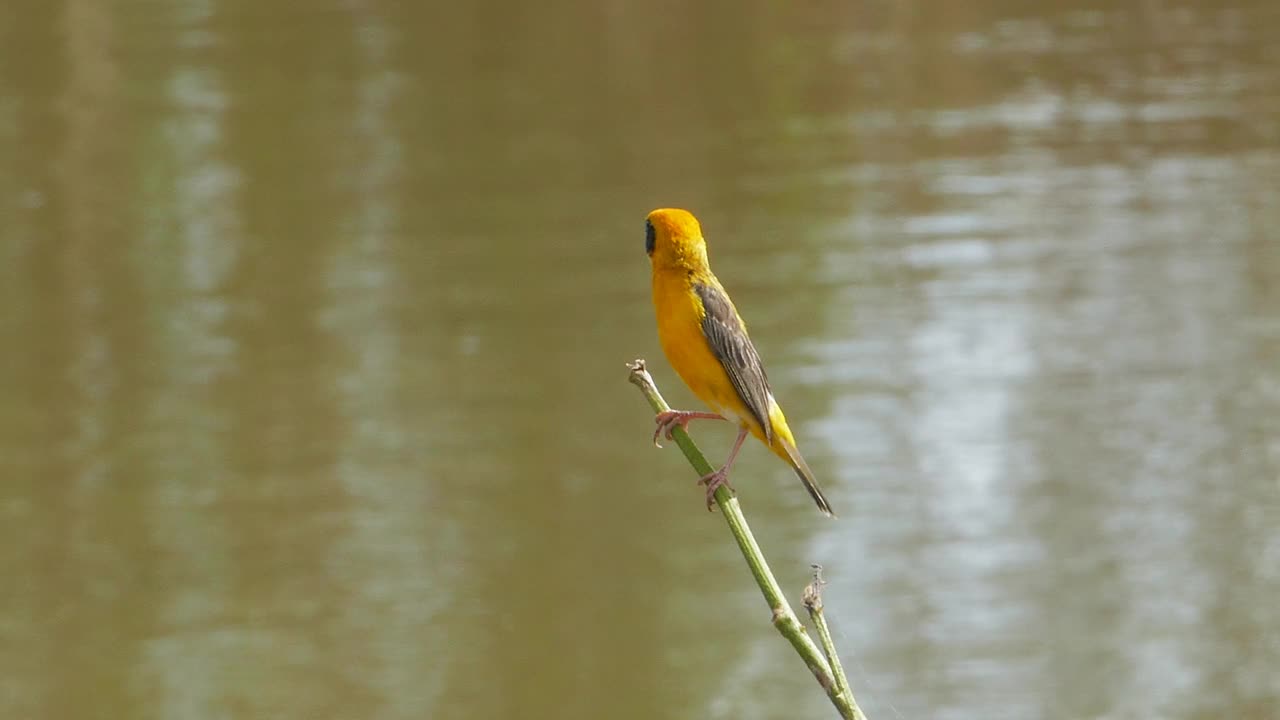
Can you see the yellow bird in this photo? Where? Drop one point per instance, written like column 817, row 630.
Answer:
column 706, row 342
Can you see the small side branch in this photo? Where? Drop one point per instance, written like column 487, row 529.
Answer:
column 784, row 618
column 812, row 599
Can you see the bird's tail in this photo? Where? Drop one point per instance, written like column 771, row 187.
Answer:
column 792, row 455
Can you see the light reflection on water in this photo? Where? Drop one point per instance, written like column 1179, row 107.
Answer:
column 1045, row 389
column 1015, row 310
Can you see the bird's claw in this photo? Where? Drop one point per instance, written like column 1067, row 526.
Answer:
column 668, row 421
column 713, row 481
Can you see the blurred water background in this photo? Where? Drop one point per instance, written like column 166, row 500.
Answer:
column 313, row 319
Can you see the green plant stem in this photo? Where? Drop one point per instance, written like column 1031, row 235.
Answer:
column 784, row 619
column 813, row 603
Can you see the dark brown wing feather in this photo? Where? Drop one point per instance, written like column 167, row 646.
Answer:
column 731, row 346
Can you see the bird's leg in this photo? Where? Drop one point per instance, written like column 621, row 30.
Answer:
column 721, row 476
column 672, row 419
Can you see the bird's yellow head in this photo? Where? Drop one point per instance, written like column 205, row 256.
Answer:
column 673, row 237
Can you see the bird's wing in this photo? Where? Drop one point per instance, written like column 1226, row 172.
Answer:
column 729, row 343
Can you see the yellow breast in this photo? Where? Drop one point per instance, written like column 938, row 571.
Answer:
column 679, row 314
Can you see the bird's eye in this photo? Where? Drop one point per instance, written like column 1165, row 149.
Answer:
column 649, row 237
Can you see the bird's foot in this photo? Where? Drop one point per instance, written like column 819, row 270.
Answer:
column 671, row 419
column 714, row 480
